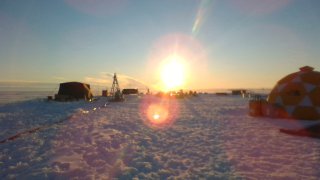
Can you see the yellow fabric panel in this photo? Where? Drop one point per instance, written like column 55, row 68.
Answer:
column 255, row 108
column 272, row 97
column 288, row 78
column 311, row 77
column 315, row 96
column 292, row 88
column 307, row 113
column 292, row 94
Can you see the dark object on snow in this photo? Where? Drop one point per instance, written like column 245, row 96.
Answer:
column 118, row 97
column 33, row 130
column 222, row 94
column 130, row 91
column 115, row 92
column 73, row 91
column 105, row 93
column 311, row 131
column 20, row 135
column 238, row 91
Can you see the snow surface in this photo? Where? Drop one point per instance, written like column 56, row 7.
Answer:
column 208, row 137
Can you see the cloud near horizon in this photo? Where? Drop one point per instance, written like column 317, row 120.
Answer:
column 59, row 78
column 105, row 79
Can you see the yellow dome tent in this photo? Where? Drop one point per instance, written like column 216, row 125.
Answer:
column 296, row 96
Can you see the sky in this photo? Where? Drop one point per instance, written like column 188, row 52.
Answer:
column 223, row 44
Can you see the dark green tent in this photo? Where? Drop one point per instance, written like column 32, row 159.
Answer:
column 74, row 91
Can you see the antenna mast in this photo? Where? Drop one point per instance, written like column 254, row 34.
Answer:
column 115, row 85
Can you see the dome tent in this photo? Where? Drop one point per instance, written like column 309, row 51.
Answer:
column 297, row 95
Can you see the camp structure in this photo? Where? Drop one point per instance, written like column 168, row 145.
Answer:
column 69, row 91
column 238, row 91
column 130, row 91
column 296, row 96
column 242, row 92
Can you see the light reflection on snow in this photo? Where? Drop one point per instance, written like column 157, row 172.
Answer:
column 85, row 112
column 156, row 116
column 159, row 112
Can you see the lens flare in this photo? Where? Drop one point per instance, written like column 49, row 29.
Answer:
column 158, row 112
column 156, row 116
column 201, row 15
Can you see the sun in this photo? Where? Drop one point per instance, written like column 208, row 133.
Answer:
column 173, row 73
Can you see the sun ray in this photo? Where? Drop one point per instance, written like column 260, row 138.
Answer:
column 200, row 17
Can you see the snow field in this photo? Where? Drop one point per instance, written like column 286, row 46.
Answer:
column 210, row 137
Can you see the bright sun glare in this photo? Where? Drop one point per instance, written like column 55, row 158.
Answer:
column 173, row 73
column 156, row 116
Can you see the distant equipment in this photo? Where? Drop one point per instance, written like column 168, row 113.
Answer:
column 222, row 94
column 105, row 93
column 238, row 91
column 130, row 91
